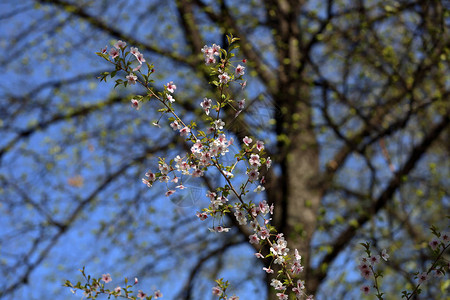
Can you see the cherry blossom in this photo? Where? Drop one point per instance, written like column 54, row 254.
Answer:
column 104, row 50
column 259, row 189
column 241, row 104
column 254, row 239
column 134, row 51
column 277, row 284
column 282, row 296
column 135, row 104
column 141, row 294
column 445, row 238
column 422, row 277
column 260, row 145
column 113, row 52
column 170, row 98
column 206, row 105
column 223, row 78
column 140, row 58
column 169, row 192
column 171, row 87
column 268, row 270
column 201, row 216
column 365, row 289
column 120, row 44
column 131, row 78
column 218, row 124
column 158, row 294
column 217, row 291
column 374, row 259
column 175, row 125
column 254, row 161
column 106, row 278
column 434, row 243
column 252, row 175
column 240, row 70
column 247, row 141
column 185, row 131
column 384, row 255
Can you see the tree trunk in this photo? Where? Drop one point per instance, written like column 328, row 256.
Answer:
column 297, row 197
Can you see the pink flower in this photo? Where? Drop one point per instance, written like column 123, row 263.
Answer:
column 206, row 104
column 252, row 175
column 104, row 50
column 135, row 280
column 120, row 44
column 218, row 124
column 171, row 87
column 264, row 233
column 445, row 238
column 106, row 278
column 140, row 58
column 175, row 125
column 268, row 270
column 131, row 78
column 241, row 104
column 423, row 277
column 113, row 52
column 240, row 70
column 223, row 78
column 158, row 294
column 296, row 255
column 185, row 131
column 374, row 259
column 170, row 98
column 434, row 244
column 201, row 216
column 134, row 51
column 197, row 172
column 268, row 162
column 282, row 296
column 365, row 289
column 254, row 161
column 259, row 255
column 366, row 273
column 247, row 141
column 277, row 284
column 384, row 255
column 254, row 239
column 296, row 267
column 141, row 294
column 260, row 145
column 217, row 291
column 210, row 60
column 169, row 192
column 135, row 104
column 147, row 182
column 215, row 49
column 117, row 289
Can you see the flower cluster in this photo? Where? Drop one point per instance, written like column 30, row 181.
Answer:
column 368, row 263
column 210, row 53
column 94, row 287
column 206, row 150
